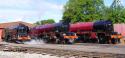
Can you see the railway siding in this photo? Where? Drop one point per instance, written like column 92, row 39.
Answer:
column 66, row 50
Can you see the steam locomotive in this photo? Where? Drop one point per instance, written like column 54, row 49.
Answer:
column 77, row 32
column 99, row 31
column 17, row 34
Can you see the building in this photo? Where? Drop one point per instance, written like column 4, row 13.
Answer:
column 6, row 25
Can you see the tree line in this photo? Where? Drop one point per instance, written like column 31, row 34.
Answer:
column 42, row 22
column 89, row 11
column 92, row 10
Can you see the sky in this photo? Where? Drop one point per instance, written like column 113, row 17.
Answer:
column 34, row 10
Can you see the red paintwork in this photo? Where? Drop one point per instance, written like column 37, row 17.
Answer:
column 43, row 28
column 46, row 28
column 81, row 26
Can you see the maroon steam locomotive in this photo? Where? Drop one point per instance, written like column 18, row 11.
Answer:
column 99, row 31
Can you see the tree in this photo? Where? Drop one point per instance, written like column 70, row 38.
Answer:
column 92, row 10
column 115, row 12
column 83, row 10
column 123, row 16
column 42, row 22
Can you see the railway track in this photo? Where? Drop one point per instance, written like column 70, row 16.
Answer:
column 77, row 50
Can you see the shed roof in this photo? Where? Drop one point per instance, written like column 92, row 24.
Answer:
column 6, row 25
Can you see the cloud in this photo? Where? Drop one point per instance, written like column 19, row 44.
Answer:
column 53, row 6
column 16, row 4
column 34, row 10
column 24, row 10
column 123, row 2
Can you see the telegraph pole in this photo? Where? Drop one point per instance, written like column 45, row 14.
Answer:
column 116, row 6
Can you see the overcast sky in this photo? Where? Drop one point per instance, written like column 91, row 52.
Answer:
column 33, row 10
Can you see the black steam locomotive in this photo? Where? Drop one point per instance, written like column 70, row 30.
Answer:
column 17, row 34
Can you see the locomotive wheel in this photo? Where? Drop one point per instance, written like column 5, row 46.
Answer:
column 71, row 41
column 101, row 40
column 61, row 41
column 66, row 41
column 19, row 42
column 58, row 41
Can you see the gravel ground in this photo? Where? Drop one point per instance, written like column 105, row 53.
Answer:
column 67, row 51
column 25, row 55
